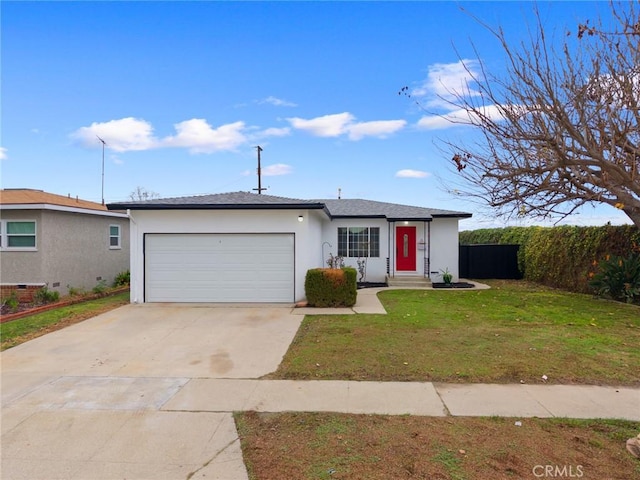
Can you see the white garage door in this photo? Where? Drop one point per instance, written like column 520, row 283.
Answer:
column 219, row 268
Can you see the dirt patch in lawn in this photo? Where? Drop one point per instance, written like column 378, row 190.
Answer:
column 342, row 446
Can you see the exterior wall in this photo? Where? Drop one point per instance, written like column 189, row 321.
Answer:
column 307, row 235
column 376, row 267
column 444, row 248
column 72, row 250
column 23, row 267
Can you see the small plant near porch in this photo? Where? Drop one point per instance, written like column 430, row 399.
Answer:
column 362, row 268
column 447, row 276
column 335, row 261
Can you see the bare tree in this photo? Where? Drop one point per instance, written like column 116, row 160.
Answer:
column 142, row 194
column 561, row 128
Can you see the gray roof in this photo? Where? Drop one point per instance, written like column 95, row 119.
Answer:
column 356, row 207
column 219, row 201
column 335, row 208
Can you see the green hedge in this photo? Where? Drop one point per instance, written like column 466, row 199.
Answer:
column 560, row 257
column 331, row 287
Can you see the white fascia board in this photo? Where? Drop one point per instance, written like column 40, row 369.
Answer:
column 61, row 208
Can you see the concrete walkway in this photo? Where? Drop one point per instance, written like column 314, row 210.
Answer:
column 147, row 391
column 407, row 398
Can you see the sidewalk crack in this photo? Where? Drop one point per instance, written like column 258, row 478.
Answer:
column 444, row 405
column 216, row 455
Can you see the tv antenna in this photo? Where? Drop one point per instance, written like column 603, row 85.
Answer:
column 103, row 145
column 260, row 188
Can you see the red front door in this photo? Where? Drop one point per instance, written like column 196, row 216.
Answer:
column 406, row 249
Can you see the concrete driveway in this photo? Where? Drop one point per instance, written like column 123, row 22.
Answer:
column 85, row 402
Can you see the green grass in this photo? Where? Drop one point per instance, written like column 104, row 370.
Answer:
column 18, row 331
column 514, row 332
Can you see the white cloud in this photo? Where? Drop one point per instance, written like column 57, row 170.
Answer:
column 122, row 135
column 446, row 80
column 278, row 102
column 3, row 153
column 276, row 132
column 380, row 128
column 199, row 137
column 458, row 118
column 412, row 174
column 344, row 123
column 277, row 169
column 325, row 126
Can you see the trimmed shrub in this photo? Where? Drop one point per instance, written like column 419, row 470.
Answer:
column 563, row 257
column 331, row 287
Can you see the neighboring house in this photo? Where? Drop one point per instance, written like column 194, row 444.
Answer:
column 58, row 241
column 245, row 247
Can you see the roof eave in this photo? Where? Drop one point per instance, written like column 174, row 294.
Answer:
column 235, row 206
column 60, row 208
column 357, row 216
column 409, row 219
column 452, row 215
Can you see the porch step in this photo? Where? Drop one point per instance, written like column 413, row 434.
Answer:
column 409, row 282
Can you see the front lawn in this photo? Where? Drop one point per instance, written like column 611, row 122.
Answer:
column 341, row 446
column 23, row 329
column 516, row 331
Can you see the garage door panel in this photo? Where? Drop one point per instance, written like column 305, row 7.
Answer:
column 219, row 268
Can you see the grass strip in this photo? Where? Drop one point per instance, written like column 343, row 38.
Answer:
column 23, row 329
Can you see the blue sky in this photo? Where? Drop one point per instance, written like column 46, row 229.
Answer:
column 182, row 92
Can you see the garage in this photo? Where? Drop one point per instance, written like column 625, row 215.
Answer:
column 219, row 267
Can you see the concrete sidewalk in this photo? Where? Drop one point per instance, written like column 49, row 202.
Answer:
column 407, row 398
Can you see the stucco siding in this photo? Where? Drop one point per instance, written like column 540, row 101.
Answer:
column 376, row 268
column 23, row 267
column 79, row 254
column 72, row 250
column 306, row 234
column 444, row 248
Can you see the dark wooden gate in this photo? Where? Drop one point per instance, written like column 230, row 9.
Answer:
column 489, row 261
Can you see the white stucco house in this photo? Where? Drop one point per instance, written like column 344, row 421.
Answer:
column 245, row 247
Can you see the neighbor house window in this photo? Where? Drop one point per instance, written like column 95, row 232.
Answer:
column 114, row 236
column 18, row 234
column 359, row 241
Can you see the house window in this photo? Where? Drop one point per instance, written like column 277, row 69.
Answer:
column 18, row 235
column 359, row 241
column 114, row 236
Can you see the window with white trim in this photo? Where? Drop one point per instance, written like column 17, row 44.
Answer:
column 114, row 237
column 18, row 234
column 359, row 241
